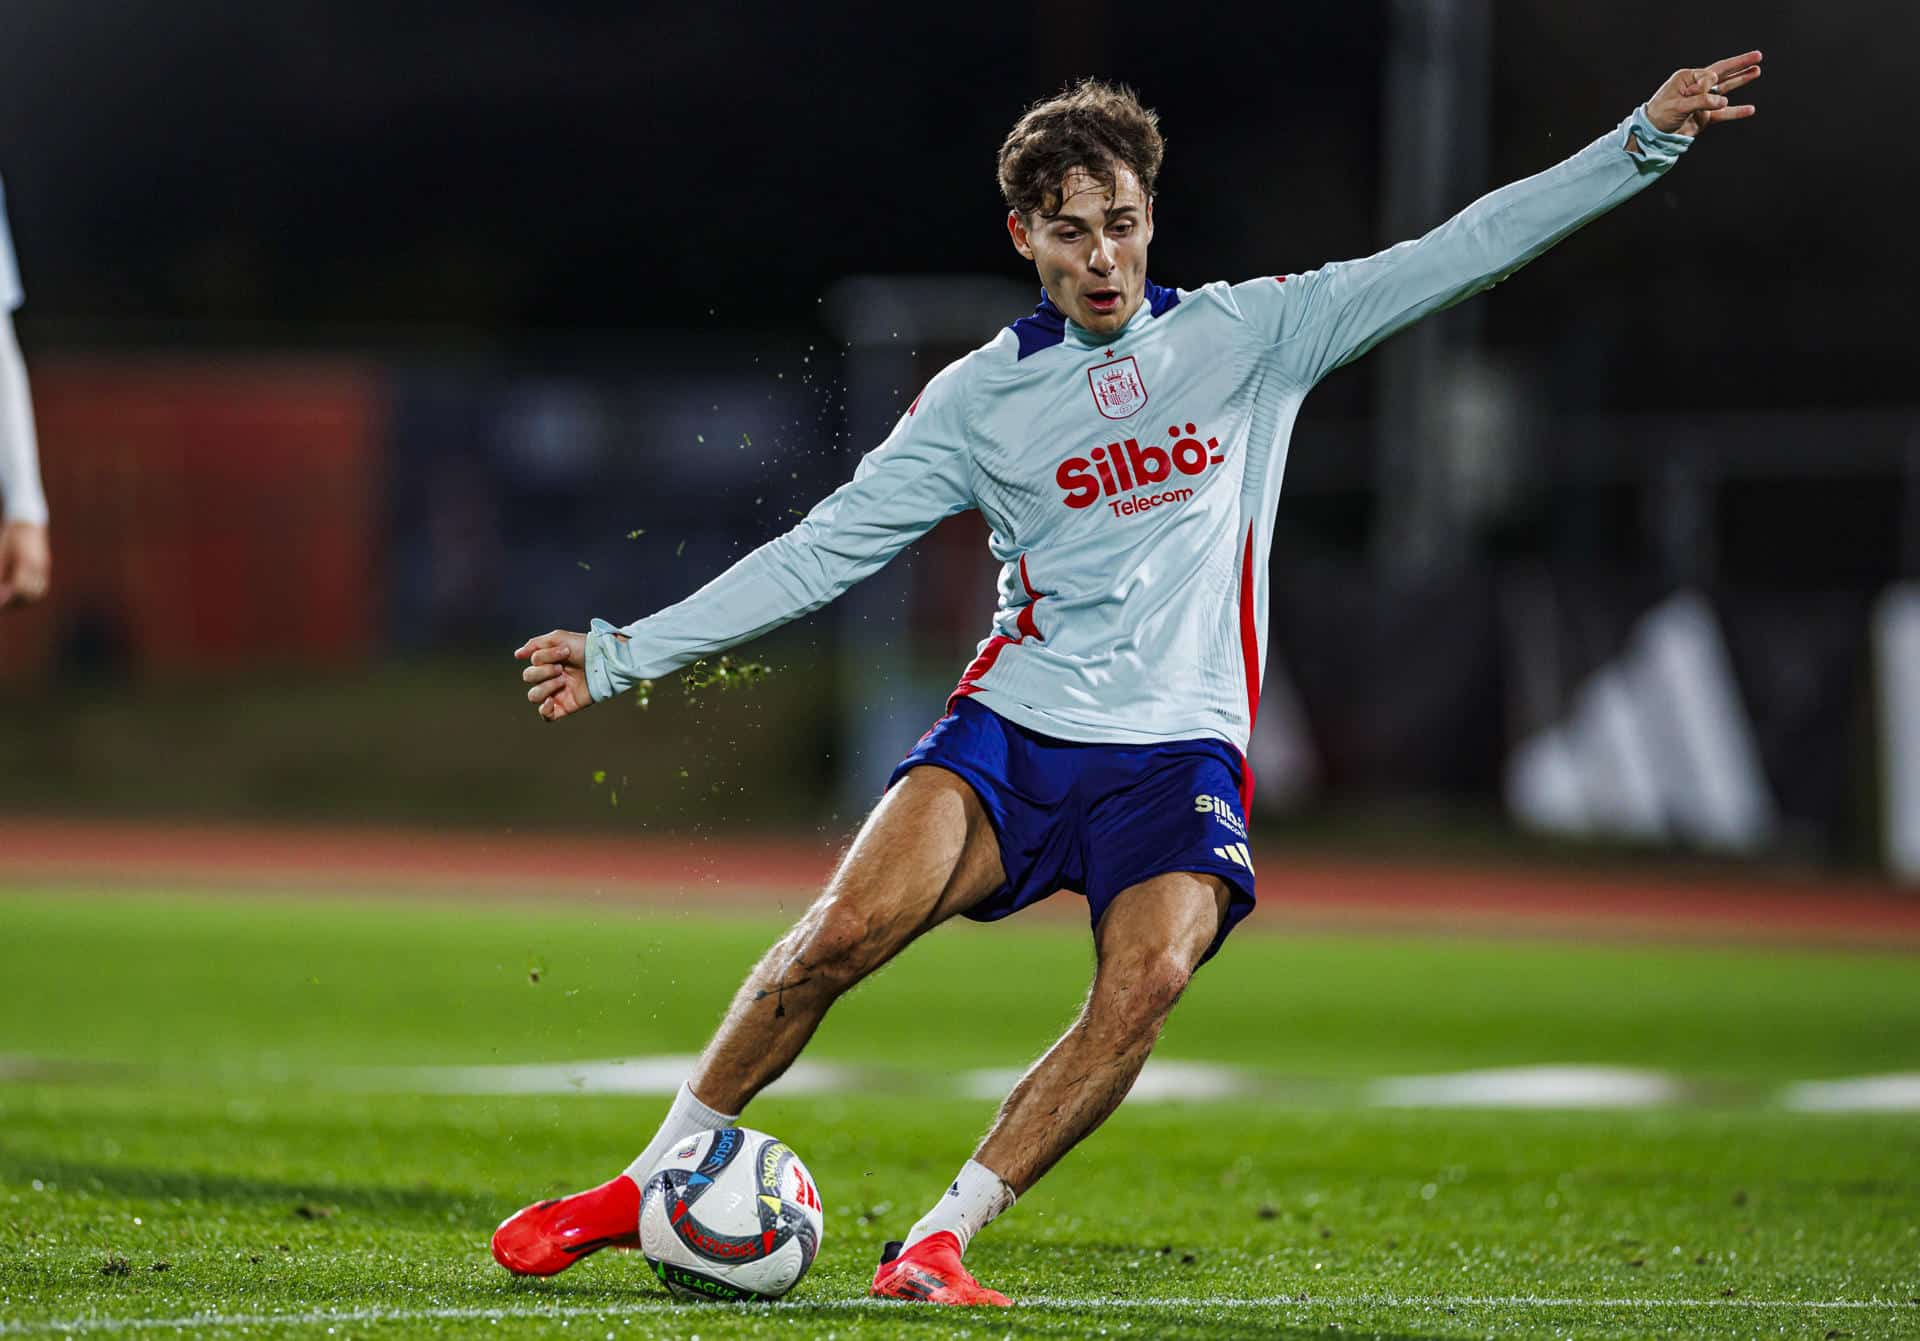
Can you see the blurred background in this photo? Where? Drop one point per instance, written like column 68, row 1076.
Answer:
column 366, row 343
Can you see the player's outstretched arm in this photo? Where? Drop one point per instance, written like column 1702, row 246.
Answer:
column 919, row 475
column 1330, row 316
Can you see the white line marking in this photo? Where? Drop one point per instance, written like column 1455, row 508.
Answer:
column 1529, row 1087
column 616, row 1075
column 1163, row 1080
column 1897, row 1093
column 656, row 1305
column 1159, row 1082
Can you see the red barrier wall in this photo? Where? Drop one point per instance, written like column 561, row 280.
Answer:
column 207, row 514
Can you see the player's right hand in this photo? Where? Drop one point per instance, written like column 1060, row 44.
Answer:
column 557, row 673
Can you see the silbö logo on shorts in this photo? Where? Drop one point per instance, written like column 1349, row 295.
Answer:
column 1221, row 809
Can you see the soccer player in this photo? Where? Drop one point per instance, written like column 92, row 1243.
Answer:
column 1125, row 444
column 26, row 563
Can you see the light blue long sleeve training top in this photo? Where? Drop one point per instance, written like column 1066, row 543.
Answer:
column 1129, row 481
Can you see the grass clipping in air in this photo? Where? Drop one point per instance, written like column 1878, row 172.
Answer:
column 725, row 673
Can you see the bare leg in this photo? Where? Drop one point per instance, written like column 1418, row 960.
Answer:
column 926, row 852
column 1149, row 941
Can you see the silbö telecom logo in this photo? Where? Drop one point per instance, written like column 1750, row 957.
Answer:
column 1127, row 467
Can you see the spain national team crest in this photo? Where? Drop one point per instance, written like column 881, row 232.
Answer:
column 1117, row 389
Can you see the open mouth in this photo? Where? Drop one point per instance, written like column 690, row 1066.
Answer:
column 1103, row 301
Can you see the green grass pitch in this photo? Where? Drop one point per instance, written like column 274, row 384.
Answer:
column 221, row 1114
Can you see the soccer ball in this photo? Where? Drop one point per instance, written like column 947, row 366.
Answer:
column 730, row 1214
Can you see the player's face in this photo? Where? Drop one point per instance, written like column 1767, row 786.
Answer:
column 1091, row 252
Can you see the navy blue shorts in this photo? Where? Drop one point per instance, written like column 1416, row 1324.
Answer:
column 1095, row 819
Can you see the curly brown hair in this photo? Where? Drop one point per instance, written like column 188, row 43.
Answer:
column 1094, row 126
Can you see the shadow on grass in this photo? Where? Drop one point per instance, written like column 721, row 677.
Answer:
column 320, row 1199
column 1171, row 1323
column 370, row 1207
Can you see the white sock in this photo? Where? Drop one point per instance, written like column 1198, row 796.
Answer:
column 976, row 1197
column 687, row 1117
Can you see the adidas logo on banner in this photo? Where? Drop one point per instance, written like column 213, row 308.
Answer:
column 1236, row 853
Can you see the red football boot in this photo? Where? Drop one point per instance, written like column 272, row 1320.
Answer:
column 549, row 1236
column 930, row 1272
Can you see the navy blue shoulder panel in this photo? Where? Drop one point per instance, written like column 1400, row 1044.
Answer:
column 1047, row 326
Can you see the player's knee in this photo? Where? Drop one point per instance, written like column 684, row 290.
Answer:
column 844, row 942
column 1162, row 979
column 1136, row 994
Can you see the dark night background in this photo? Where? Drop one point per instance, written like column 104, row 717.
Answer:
column 559, row 283
column 510, row 174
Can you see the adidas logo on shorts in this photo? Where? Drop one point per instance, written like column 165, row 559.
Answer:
column 1237, row 854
